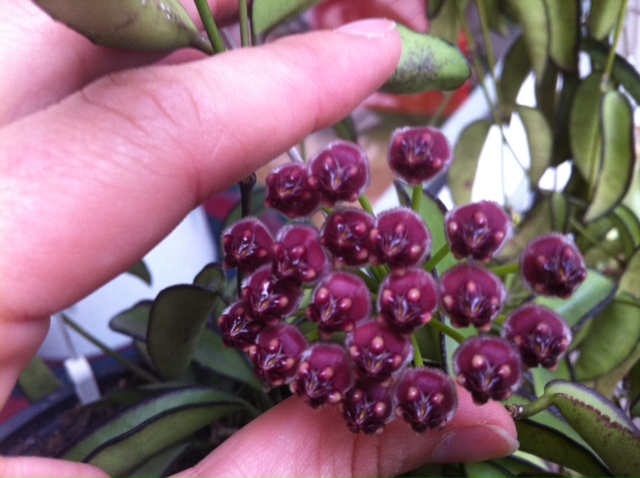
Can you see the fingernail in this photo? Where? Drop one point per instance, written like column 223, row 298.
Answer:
column 474, row 444
column 368, row 28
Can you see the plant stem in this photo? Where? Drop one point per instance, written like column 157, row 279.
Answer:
column 612, row 52
column 294, row 155
column 139, row 371
column 417, row 355
column 486, row 35
column 520, row 412
column 445, row 329
column 437, row 257
column 365, row 204
column 210, row 25
column 416, row 197
column 506, row 269
column 243, row 12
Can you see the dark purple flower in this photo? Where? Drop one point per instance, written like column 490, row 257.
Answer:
column 340, row 172
column 345, row 234
column 541, row 335
column 471, row 295
column 247, row 245
column 298, row 255
column 477, row 231
column 290, row 191
column 418, row 154
column 368, row 406
column 552, row 265
column 270, row 298
column 238, row 329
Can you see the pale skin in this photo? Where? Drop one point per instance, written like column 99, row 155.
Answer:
column 102, row 153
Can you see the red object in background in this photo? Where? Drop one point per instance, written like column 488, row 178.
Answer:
column 412, row 13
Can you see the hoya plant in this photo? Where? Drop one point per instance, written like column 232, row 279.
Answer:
column 382, row 314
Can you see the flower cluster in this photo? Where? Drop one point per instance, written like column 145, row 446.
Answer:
column 368, row 292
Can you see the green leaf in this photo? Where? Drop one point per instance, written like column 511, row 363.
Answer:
column 159, row 464
column 608, row 384
column 212, row 277
column 517, row 67
column 495, row 17
column 140, row 415
column 618, row 157
column 447, row 23
column 584, row 127
column 432, row 210
column 634, row 390
column 433, row 8
column 628, row 227
column 550, row 438
column 141, row 271
column 532, row 16
column 176, row 321
column 564, row 18
column 139, row 432
column 630, row 280
column 144, row 25
column 600, row 423
column 486, row 468
column 427, row 63
column 133, row 321
column 603, row 17
column 228, row 362
column 466, row 156
column 267, row 14
column 559, row 212
column 619, row 324
column 595, row 292
column 540, row 139
column 37, row 380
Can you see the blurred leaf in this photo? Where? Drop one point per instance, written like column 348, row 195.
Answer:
column 634, row 390
column 229, row 362
column 495, row 17
column 141, row 271
column 595, row 293
column 608, row 384
column 447, row 23
column 536, row 221
column 133, row 321
column 467, row 154
column 619, row 324
column 159, row 464
column 532, row 16
column 212, row 277
column 486, row 468
column 517, row 67
column 608, row 431
column 427, row 63
column 584, row 127
column 346, row 129
column 540, row 140
column 144, row 25
column 564, row 21
column 618, row 156
column 542, row 376
column 433, row 211
column 433, row 8
column 37, row 380
column 146, row 413
column 603, row 16
column 559, row 212
column 519, row 466
column 622, row 72
column 630, row 280
column 546, row 90
column 267, row 14
column 176, row 321
column 561, row 143
column 628, row 227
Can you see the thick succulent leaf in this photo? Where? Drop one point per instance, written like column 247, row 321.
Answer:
column 628, row 227
column 176, row 321
column 141, row 271
column 603, row 17
column 622, row 72
column 467, row 154
column 517, row 67
column 609, row 384
column 630, row 280
column 564, row 21
column 267, row 14
column 159, row 464
column 229, row 362
column 537, row 221
column 147, row 25
column 541, row 376
column 495, row 16
column 432, row 211
column 486, row 468
column 618, row 157
column 133, row 321
column 346, row 129
column 619, row 324
column 433, row 8
column 634, row 390
column 139, row 416
column 447, row 24
column 592, row 296
column 540, row 139
column 584, row 127
column 546, row 91
column 600, row 423
column 532, row 16
column 211, row 277
column 427, row 63
column 561, row 143
column 559, row 212
column 519, row 466
column 37, row 380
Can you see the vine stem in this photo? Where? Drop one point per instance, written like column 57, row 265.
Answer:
column 243, row 13
column 506, row 269
column 437, row 257
column 520, row 412
column 445, row 329
column 416, row 197
column 139, row 371
column 417, row 355
column 210, row 26
column 612, row 52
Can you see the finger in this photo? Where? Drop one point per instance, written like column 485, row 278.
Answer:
column 294, row 440
column 34, row 466
column 43, row 60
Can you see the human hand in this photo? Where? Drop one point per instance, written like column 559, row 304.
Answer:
column 95, row 142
